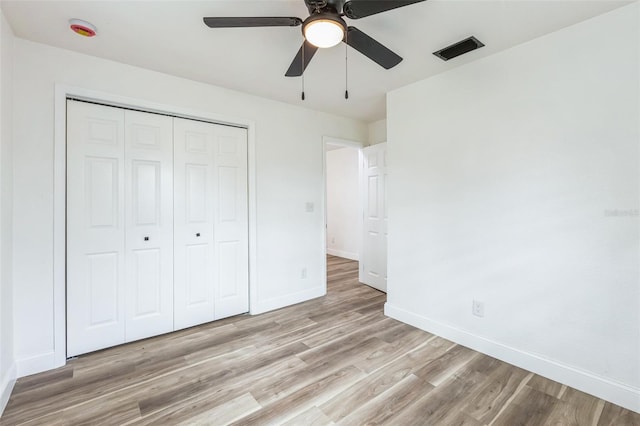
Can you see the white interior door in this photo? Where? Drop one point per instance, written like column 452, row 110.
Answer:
column 95, row 227
column 194, row 183
column 373, row 264
column 149, row 224
column 231, row 234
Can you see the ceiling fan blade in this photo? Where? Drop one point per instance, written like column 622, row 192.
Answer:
column 256, row 21
column 356, row 9
column 296, row 69
column 372, row 49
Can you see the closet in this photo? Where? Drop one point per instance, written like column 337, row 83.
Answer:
column 157, row 230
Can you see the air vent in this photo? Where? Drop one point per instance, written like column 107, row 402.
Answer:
column 459, row 48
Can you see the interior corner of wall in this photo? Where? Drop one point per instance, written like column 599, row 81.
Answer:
column 6, row 386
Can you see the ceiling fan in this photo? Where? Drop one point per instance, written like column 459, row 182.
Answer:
column 325, row 27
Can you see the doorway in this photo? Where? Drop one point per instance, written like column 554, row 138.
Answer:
column 343, row 220
column 356, row 208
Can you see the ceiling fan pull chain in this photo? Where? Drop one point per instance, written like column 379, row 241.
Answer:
column 302, row 74
column 346, row 64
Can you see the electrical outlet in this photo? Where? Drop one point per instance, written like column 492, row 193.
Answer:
column 303, row 273
column 478, row 308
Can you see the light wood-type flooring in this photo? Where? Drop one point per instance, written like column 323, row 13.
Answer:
column 336, row 359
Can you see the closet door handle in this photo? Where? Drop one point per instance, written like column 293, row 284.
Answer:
column 197, row 234
column 146, row 238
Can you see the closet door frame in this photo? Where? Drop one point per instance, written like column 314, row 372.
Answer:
column 58, row 357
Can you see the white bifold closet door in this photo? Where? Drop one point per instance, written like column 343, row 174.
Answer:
column 157, row 224
column 119, row 226
column 211, row 224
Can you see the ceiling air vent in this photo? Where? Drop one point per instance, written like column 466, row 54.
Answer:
column 459, row 48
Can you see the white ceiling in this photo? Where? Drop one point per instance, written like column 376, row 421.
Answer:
column 170, row 37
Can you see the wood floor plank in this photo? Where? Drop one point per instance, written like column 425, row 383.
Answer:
column 618, row 416
column 388, row 404
column 462, row 419
column 545, row 385
column 351, row 333
column 441, row 368
column 296, row 403
column 335, row 358
column 404, row 335
column 221, row 393
column 367, row 389
column 530, row 407
column 119, row 414
column 443, row 403
column 568, row 415
column 346, row 353
column 584, row 408
column 193, row 381
column 226, row 413
column 362, row 393
column 41, row 380
column 47, row 410
column 494, row 394
column 312, row 417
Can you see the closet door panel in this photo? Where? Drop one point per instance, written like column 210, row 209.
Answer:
column 231, row 222
column 95, row 227
column 149, row 224
column 194, row 179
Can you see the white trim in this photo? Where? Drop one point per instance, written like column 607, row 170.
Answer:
column 349, row 144
column 6, row 387
column 342, row 142
column 59, row 228
column 252, row 201
column 35, row 364
column 617, row 393
column 57, row 358
column 340, row 253
column 289, row 299
column 361, row 213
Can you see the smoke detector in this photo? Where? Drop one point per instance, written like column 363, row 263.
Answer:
column 83, row 28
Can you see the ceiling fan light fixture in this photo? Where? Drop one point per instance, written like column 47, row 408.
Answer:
column 324, row 30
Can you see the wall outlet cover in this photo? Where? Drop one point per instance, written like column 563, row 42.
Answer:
column 477, row 308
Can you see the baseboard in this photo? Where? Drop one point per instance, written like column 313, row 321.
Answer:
column 617, row 393
column 288, row 300
column 340, row 253
column 36, row 364
column 6, row 387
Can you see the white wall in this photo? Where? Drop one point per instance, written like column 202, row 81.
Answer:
column 377, row 132
column 289, row 156
column 7, row 365
column 515, row 180
column 343, row 203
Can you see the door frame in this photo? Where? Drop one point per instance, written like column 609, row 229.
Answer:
column 62, row 92
column 347, row 143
